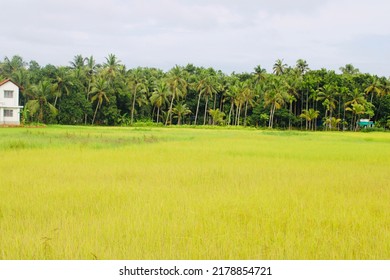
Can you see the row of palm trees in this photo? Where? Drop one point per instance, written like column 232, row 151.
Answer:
column 108, row 93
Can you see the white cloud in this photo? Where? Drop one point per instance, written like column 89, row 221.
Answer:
column 233, row 35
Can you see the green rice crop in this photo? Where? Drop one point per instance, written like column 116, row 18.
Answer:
column 184, row 193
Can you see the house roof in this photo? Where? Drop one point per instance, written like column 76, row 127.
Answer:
column 9, row 80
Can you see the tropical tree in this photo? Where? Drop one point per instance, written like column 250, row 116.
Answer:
column 91, row 69
column 248, row 96
column 275, row 97
column 310, row 115
column 10, row 66
column 355, row 96
column 99, row 93
column 301, row 66
column 137, row 83
column 217, row 116
column 349, row 69
column 63, row 83
column 159, row 96
column 111, row 67
column 385, row 91
column 231, row 95
column 177, row 86
column 279, row 67
column 374, row 87
column 207, row 87
column 259, row 74
column 78, row 62
column 333, row 122
column 357, row 110
column 180, row 111
column 327, row 94
column 239, row 100
column 41, row 93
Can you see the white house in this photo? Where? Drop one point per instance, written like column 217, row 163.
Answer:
column 9, row 103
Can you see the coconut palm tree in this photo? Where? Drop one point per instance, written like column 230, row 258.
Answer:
column 10, row 66
column 239, row 100
column 374, row 87
column 230, row 96
column 99, row 93
column 78, row 62
column 111, row 67
column 207, row 87
column 259, row 74
column 159, row 96
column 301, row 66
column 136, row 82
column 355, row 96
column 41, row 93
column 357, row 110
column 279, row 67
column 349, row 69
column 63, row 83
column 327, row 94
column 385, row 88
column 217, row 116
column 275, row 97
column 248, row 96
column 177, row 86
column 181, row 110
column 310, row 115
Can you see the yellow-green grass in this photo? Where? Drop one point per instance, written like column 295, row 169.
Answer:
column 170, row 193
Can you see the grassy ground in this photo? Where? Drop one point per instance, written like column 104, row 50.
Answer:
column 141, row 193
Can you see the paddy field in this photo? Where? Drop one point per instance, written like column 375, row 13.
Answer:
column 186, row 193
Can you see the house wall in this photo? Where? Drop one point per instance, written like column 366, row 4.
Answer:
column 14, row 120
column 9, row 104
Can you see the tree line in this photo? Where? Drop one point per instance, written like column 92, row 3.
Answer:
column 291, row 97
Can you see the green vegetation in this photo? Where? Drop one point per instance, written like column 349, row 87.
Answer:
column 178, row 193
column 109, row 94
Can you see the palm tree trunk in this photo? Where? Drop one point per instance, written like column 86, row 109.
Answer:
column 154, row 110
column 158, row 113
column 94, row 115
column 205, row 110
column 178, row 119
column 239, row 114
column 197, row 109
column 356, row 125
column 215, row 100
column 270, row 116
column 55, row 101
column 289, row 117
column 236, row 116
column 133, row 105
column 246, row 109
column 170, row 110
column 307, row 101
column 230, row 113
column 301, row 109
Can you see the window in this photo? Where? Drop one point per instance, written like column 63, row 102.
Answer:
column 8, row 94
column 8, row 113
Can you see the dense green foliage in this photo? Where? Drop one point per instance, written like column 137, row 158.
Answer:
column 109, row 94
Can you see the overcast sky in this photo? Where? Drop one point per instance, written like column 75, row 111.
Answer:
column 230, row 35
